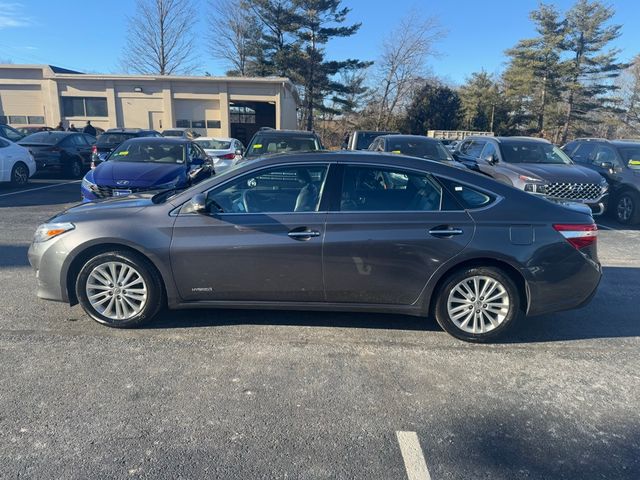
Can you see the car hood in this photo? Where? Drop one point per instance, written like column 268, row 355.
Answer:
column 553, row 173
column 137, row 174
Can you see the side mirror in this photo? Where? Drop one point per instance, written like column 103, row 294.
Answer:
column 239, row 152
column 491, row 159
column 606, row 165
column 197, row 204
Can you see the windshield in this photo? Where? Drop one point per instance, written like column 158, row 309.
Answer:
column 213, row 144
column 422, row 148
column 268, row 144
column 44, row 138
column 533, row 152
column 113, row 139
column 154, row 152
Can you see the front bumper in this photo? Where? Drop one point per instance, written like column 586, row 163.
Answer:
column 47, row 259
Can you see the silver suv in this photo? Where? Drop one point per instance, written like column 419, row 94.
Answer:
column 535, row 166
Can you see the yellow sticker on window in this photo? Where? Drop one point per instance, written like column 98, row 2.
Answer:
column 634, row 162
column 257, row 145
column 396, row 151
column 123, row 153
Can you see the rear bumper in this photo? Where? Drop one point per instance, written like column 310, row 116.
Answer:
column 565, row 284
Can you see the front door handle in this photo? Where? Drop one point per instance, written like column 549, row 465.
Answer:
column 443, row 231
column 300, row 234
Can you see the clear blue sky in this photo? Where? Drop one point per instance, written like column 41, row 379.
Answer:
column 90, row 35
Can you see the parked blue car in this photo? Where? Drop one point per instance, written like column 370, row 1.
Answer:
column 143, row 164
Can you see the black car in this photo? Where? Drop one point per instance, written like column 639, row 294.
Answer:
column 413, row 146
column 268, row 141
column 361, row 139
column 67, row 151
column 10, row 133
column 112, row 138
column 535, row 166
column 619, row 162
column 33, row 129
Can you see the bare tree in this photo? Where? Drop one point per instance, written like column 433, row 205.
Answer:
column 403, row 62
column 160, row 39
column 233, row 34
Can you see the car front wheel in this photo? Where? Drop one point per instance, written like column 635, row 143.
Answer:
column 19, row 174
column 628, row 208
column 120, row 289
column 477, row 304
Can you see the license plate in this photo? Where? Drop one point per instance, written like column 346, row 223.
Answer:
column 121, row 193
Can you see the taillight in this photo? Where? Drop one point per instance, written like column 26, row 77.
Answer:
column 579, row 236
column 94, row 149
column 228, row 156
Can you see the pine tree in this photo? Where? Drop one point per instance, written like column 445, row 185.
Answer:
column 433, row 107
column 591, row 69
column 533, row 79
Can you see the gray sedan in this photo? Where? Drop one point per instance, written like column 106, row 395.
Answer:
column 325, row 231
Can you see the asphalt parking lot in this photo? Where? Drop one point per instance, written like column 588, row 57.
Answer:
column 249, row 394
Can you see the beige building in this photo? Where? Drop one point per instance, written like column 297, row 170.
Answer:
column 213, row 106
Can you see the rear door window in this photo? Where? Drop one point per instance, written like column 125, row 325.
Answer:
column 375, row 189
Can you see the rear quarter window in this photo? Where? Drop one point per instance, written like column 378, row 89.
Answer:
column 468, row 197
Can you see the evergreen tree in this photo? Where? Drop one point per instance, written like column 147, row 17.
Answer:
column 533, row 79
column 433, row 107
column 318, row 21
column 591, row 69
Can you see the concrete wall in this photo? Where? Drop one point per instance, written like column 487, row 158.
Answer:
column 159, row 102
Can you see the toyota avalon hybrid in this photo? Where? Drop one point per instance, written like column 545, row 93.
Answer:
column 325, row 231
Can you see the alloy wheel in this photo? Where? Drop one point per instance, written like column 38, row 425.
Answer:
column 478, row 304
column 116, row 290
column 20, row 175
column 624, row 208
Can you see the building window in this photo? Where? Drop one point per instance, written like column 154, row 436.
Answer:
column 242, row 114
column 36, row 120
column 197, row 124
column 84, row 107
column 183, row 123
column 3, row 119
column 19, row 119
column 213, row 124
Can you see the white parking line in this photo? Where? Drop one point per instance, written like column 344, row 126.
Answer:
column 604, row 227
column 39, row 188
column 413, row 457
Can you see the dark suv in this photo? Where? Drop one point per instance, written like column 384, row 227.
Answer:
column 361, row 139
column 268, row 141
column 112, row 138
column 535, row 166
column 619, row 162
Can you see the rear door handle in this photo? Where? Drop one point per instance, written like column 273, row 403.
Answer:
column 445, row 232
column 298, row 234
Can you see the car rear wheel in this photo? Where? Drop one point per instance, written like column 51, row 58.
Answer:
column 627, row 208
column 119, row 289
column 19, row 174
column 478, row 304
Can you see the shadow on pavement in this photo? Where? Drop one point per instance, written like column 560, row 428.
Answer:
column 14, row 256
column 607, row 316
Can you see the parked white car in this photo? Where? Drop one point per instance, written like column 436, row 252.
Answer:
column 224, row 151
column 16, row 163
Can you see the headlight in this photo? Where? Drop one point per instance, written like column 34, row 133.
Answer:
column 525, row 178
column 88, row 185
column 47, row 231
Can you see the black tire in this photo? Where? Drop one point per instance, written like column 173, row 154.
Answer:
column 155, row 298
column 19, row 175
column 510, row 311
column 73, row 168
column 626, row 209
